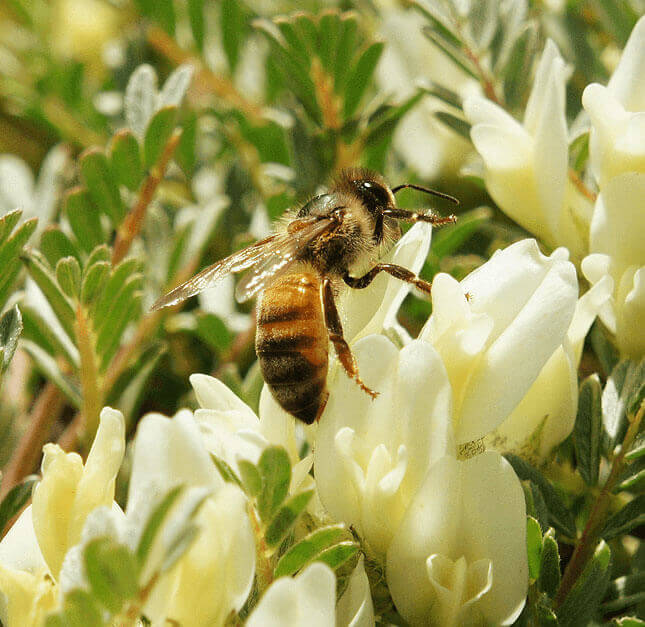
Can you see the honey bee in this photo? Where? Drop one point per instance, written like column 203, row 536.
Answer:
column 300, row 269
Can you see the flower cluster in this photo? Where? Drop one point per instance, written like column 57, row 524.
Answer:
column 527, row 176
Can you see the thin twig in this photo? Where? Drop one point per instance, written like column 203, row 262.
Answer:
column 581, row 187
column 45, row 412
column 133, row 222
column 589, row 538
column 221, row 86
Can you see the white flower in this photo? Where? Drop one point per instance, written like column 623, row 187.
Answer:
column 307, row 600
column 32, row 552
column 495, row 343
column 371, row 456
column 618, row 253
column 231, row 430
column 36, row 198
column 355, row 607
column 459, row 555
column 617, row 112
column 526, row 164
column 546, row 415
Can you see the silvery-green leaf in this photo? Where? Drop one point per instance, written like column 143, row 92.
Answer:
column 176, row 86
column 140, row 98
column 10, row 330
column 16, row 185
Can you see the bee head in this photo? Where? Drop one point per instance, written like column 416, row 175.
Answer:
column 375, row 196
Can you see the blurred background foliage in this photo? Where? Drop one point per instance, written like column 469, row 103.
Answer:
column 143, row 139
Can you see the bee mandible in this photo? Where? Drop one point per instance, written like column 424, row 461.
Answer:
column 299, row 271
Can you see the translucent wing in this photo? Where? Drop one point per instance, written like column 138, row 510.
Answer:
column 286, row 251
column 276, row 251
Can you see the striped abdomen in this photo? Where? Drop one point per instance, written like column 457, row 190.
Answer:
column 292, row 343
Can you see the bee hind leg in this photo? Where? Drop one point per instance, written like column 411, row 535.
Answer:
column 335, row 330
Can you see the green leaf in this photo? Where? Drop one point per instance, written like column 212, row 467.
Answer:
column 112, row 572
column 579, row 151
column 623, row 386
column 638, row 448
column 451, row 50
column 10, row 330
column 589, row 589
column 79, row 610
column 623, row 521
column 212, row 330
column 233, row 26
column 105, row 302
column 305, row 551
column 15, row 499
column 447, row 96
column 48, row 366
column 11, row 248
column 535, row 505
column 101, row 186
column 338, row 554
column 100, row 253
column 44, row 277
column 228, row 474
column 94, row 281
column 55, row 244
column 179, row 545
column 158, row 132
column 68, row 277
column 154, row 523
column 459, row 125
column 286, row 517
column 360, row 76
column 533, row 546
column 344, row 51
column 383, row 127
column 84, row 219
column 125, row 159
column 624, row 592
column 560, row 516
column 549, row 578
column 275, row 470
column 250, row 477
column 185, row 155
column 329, row 32
column 196, row 18
column 633, row 477
column 588, row 429
column 127, row 309
column 483, row 19
column 606, row 352
column 517, row 71
column 48, row 336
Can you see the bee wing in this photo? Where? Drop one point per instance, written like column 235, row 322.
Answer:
column 237, row 262
column 286, row 250
column 278, row 250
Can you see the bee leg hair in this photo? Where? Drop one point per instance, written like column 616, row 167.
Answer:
column 335, row 330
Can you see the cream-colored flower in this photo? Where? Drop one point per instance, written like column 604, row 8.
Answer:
column 215, row 575
column 32, row 552
column 546, row 415
column 355, row 607
column 495, row 342
column 231, row 430
column 379, row 450
column 617, row 113
column 459, row 555
column 526, row 164
column 307, row 600
column 618, row 254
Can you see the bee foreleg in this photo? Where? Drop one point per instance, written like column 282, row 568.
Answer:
column 414, row 216
column 398, row 272
column 335, row 330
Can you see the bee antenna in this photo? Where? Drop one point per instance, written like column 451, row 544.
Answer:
column 427, row 190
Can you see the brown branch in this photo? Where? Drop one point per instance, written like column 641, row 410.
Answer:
column 590, row 535
column 133, row 222
column 45, row 412
column 220, row 86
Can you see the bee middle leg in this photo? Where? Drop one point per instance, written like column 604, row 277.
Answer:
column 335, row 330
column 398, row 272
